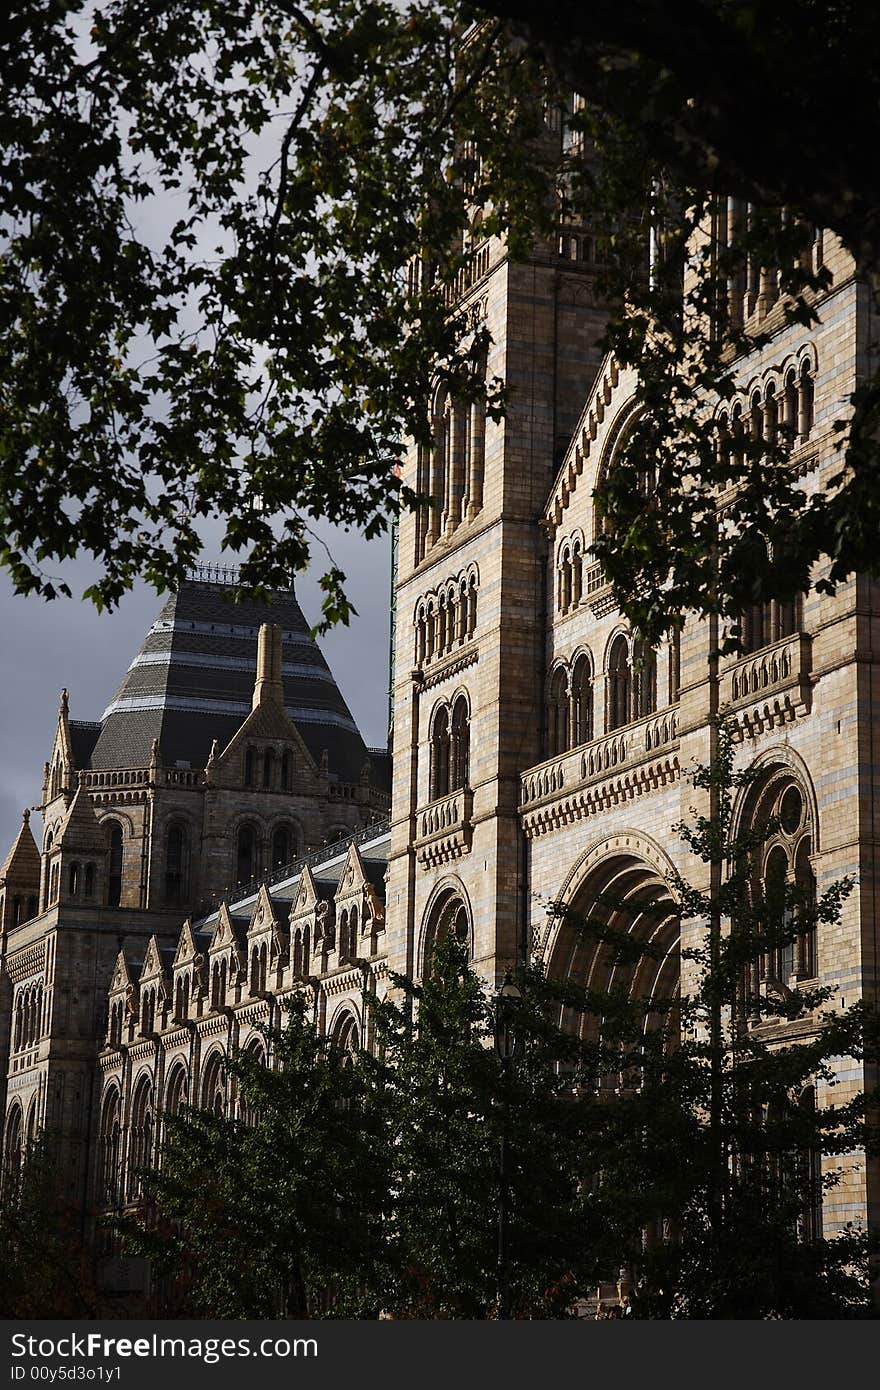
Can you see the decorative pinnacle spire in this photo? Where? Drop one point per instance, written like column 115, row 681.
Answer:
column 65, row 700
column 268, row 684
column 25, row 815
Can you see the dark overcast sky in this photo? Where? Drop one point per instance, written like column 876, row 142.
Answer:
column 67, row 643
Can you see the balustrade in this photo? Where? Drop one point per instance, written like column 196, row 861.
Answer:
column 599, row 758
column 785, row 663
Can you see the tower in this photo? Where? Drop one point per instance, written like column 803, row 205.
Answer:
column 469, row 649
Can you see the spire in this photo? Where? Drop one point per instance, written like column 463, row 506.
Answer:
column 268, row 684
column 22, row 863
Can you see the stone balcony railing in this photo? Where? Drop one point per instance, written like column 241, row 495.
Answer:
column 771, row 686
column 617, row 766
column 444, row 828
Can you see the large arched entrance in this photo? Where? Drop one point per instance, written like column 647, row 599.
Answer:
column 448, row 914
column 617, row 931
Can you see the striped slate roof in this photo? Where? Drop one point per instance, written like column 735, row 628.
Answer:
column 192, row 681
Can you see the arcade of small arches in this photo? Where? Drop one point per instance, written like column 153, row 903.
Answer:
column 130, row 1144
column 29, row 1014
column 779, row 405
column 446, row 618
column 579, row 704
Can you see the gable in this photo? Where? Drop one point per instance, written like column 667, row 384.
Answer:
column 186, row 945
column 121, row 977
column 570, row 504
column 152, row 961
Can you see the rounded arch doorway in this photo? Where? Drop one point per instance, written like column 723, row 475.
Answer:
column 618, row 932
column 448, row 914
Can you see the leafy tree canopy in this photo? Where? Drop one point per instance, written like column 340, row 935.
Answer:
column 260, row 1216
column 209, row 217
column 46, row 1263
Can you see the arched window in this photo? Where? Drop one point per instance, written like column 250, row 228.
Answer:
column 353, row 934
column 346, row 1036
column 762, row 624
column 284, row 846
column 440, row 754
column 176, row 864
column 181, row 998
column 786, row 886
column 148, row 1012
column 674, row 667
column 644, row 681
column 248, row 1113
column 619, row 684
column 141, row 1141
column 115, row 1029
column 108, row 1152
column 429, row 633
column 448, row 917
column 440, row 455
column 89, row 881
column 268, row 768
column 442, row 625
column 582, row 701
column 114, row 864
column 176, row 1090
column 559, row 712
column 809, row 1178
column 12, row 1144
column 73, row 880
column 565, row 581
column 214, row 1085
column 286, row 770
column 805, row 401
column 247, row 854
column 218, row 985
column 459, row 770
column 264, row 966
column 249, row 767
column 343, row 938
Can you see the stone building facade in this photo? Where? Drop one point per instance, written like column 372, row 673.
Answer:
column 226, row 754
column 539, row 755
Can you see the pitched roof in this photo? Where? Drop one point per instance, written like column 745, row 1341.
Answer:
column 22, row 863
column 193, row 678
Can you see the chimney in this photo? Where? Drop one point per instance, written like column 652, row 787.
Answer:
column 268, row 684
